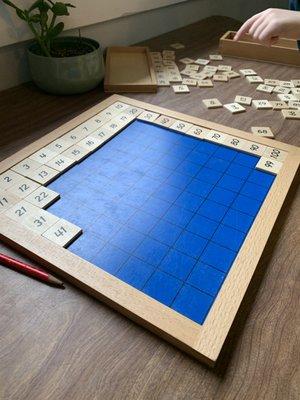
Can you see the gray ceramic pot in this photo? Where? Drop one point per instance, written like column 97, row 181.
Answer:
column 67, row 75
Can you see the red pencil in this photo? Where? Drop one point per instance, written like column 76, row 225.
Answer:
column 29, row 270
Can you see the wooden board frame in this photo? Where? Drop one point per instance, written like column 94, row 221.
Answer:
column 201, row 341
column 141, row 87
column 284, row 52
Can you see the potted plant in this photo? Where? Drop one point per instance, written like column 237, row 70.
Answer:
column 59, row 65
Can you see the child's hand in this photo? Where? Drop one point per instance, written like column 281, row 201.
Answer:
column 267, row 26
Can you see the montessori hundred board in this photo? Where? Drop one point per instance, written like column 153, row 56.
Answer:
column 161, row 215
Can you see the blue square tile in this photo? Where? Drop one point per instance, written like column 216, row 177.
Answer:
column 246, row 205
column 147, row 185
column 87, row 246
column 209, row 175
column 64, row 207
column 177, row 264
column 217, row 164
column 254, row 191
column 186, row 141
column 110, row 258
column 202, row 226
column 231, row 183
column 170, row 161
column 246, row 159
column 229, row 238
column 178, row 216
column 159, row 173
column 189, row 201
column 151, row 155
column 206, row 279
column 199, row 188
column 261, row 178
column 127, row 239
column 207, row 147
column 151, row 251
column 212, row 210
column 120, row 212
column 238, row 170
column 197, row 157
column 105, row 227
column 237, row 220
column 193, row 304
column 190, row 244
column 179, row 152
column 155, row 206
column 188, row 168
column 165, row 232
column 178, row 180
column 167, row 193
column 162, row 287
column 135, row 272
column 129, row 178
column 62, row 185
column 142, row 222
column 218, row 257
column 222, row 196
column 135, row 197
column 225, row 153
column 83, row 217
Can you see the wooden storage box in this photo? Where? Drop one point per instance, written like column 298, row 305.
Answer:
column 285, row 51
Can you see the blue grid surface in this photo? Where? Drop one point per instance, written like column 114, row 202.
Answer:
column 163, row 212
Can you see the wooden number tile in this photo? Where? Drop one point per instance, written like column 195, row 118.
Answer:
column 279, row 105
column 247, row 72
column 220, row 78
column 235, row 142
column 235, row 108
column 134, row 111
column 187, row 72
column 123, row 119
column 19, row 211
column 163, row 82
column 156, row 55
column 214, row 136
column 244, row 100
column 169, row 62
column 186, row 60
column 76, row 152
column 181, row 89
column 39, row 220
column 163, row 120
column 174, row 77
column 9, row 179
column 294, row 104
column 233, row 74
column 287, row 84
column 73, row 137
column 26, row 165
column 215, row 57
column 254, row 148
column 59, row 145
column 62, row 233
column 61, row 162
column 205, row 83
column 177, row 46
column 281, row 90
column 264, row 131
column 42, row 197
column 7, row 200
column 148, row 116
column 264, row 88
column 199, row 75
column 254, row 79
column 275, row 154
column 286, row 97
column 189, row 82
column 91, row 143
column 168, row 54
column 181, row 126
column 23, row 188
column 197, row 131
column 296, row 83
column 210, row 68
column 272, row 166
column 262, row 104
column 295, row 90
column 271, row 82
column 212, row 103
column 43, row 155
column 291, row 114
column 202, row 61
column 44, row 175
column 224, row 68
column 193, row 67
column 116, row 108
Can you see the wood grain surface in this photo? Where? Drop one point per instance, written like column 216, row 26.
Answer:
column 62, row 344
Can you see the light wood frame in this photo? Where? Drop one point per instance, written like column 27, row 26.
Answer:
column 147, row 85
column 284, row 52
column 201, row 341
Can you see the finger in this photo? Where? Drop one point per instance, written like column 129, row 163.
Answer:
column 246, row 26
column 260, row 28
column 266, row 35
column 260, row 21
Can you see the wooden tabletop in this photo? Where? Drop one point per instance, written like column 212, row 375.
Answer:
column 62, row 344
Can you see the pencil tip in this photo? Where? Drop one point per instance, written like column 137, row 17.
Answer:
column 56, row 282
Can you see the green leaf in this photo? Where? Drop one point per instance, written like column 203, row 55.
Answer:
column 35, row 18
column 21, row 15
column 60, row 9
column 35, row 5
column 56, row 30
column 44, row 18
